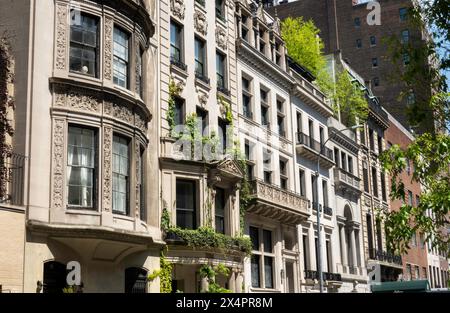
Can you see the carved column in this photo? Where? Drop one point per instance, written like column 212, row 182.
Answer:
column 239, row 282
column 301, row 254
column 353, row 245
column 62, row 26
column 108, row 51
column 58, row 175
column 343, row 247
column 107, row 168
column 232, row 281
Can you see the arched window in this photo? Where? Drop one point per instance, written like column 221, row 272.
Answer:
column 135, row 280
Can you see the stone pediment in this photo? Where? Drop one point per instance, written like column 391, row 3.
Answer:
column 231, row 167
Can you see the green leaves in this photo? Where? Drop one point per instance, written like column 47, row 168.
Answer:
column 303, row 43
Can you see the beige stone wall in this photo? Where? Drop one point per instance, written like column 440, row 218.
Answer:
column 12, row 232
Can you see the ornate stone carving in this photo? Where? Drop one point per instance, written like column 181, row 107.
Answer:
column 141, row 124
column 202, row 99
column 221, row 38
column 107, row 168
column 119, row 111
column 58, row 164
column 61, row 36
column 138, row 172
column 84, row 102
column 139, row 71
column 109, row 25
column 177, row 8
column 200, row 23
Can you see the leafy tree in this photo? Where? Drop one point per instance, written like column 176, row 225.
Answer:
column 430, row 114
column 303, row 43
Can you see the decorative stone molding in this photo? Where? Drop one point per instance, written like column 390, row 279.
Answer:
column 139, row 71
column 221, row 38
column 107, row 165
column 202, row 98
column 61, row 36
column 137, row 147
column 79, row 100
column 119, row 111
column 109, row 25
column 177, row 8
column 58, row 163
column 200, row 23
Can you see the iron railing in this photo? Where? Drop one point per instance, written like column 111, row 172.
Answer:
column 385, row 256
column 177, row 62
column 309, row 274
column 303, row 139
column 202, row 77
column 12, row 187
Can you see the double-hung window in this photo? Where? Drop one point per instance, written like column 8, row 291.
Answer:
column 200, row 57
column 220, row 71
column 81, row 167
column 186, row 204
column 121, row 175
column 176, row 44
column 84, row 42
column 220, row 203
column 121, row 57
column 262, row 261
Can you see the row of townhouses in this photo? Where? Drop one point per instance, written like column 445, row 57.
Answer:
column 141, row 125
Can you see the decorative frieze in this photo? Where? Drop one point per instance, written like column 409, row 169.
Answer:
column 79, row 100
column 61, row 36
column 58, row 163
column 107, row 165
column 137, row 147
column 109, row 25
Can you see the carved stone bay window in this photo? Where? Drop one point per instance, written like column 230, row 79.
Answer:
column 99, row 150
column 97, row 43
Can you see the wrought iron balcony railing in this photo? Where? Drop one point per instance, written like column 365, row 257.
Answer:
column 385, row 256
column 202, row 77
column 177, row 62
column 303, row 139
column 309, row 274
column 12, row 182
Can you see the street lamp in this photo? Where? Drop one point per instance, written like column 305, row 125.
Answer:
column 319, row 241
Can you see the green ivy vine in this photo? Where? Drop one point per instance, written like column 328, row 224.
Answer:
column 210, row 273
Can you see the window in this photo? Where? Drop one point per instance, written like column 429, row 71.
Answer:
column 244, row 29
column 81, row 167
column 325, row 193
column 406, row 58
column 403, row 13
column 372, row 140
column 84, row 44
column 135, row 280
column 380, row 144
column 246, row 98
column 408, row 272
column 314, row 190
column 200, row 57
column 121, row 175
column 223, row 125
column 220, row 68
column 202, row 120
column 362, row 134
column 179, row 112
column 141, row 185
column 373, row 41
column 383, row 186
column 280, row 118
column 283, row 175
column 264, row 115
column 121, row 57
column 262, row 43
column 357, row 22
column 405, row 36
column 379, row 235
column 302, row 183
column 358, row 43
column 376, row 82
column 220, row 203
column 366, row 177
column 248, row 158
column 374, row 182
column 350, row 164
column 267, row 156
column 262, row 261
column 176, row 43
column 186, row 204
column 299, row 123
column 370, row 234
column 344, row 161
column 220, row 10
column 410, row 198
column 374, row 62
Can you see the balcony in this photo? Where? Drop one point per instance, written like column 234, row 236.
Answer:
column 11, row 187
column 313, row 275
column 347, row 182
column 387, row 257
column 276, row 203
column 311, row 149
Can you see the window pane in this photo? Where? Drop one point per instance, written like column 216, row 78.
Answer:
column 185, row 203
column 254, row 236
column 83, row 43
column 268, row 272
column 267, row 236
column 120, row 174
column 121, row 55
column 256, row 281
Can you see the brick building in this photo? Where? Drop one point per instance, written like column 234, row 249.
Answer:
column 415, row 263
column 344, row 26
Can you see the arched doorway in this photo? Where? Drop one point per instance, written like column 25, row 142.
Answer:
column 55, row 275
column 135, row 280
